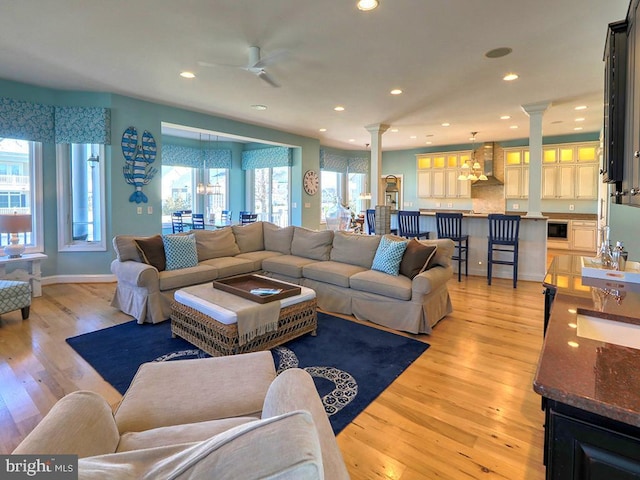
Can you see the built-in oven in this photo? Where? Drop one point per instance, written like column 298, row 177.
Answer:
column 558, row 229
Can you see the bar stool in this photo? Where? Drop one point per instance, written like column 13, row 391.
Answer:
column 371, row 221
column 409, row 224
column 503, row 237
column 449, row 225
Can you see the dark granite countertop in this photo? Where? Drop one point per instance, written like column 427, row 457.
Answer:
column 595, row 376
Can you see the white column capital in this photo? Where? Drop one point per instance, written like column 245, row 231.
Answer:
column 377, row 128
column 535, row 108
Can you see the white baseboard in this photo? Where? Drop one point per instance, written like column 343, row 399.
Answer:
column 105, row 278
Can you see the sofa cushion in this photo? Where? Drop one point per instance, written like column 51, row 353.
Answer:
column 229, row 266
column 216, row 243
column 277, row 239
column 389, row 255
column 250, row 237
column 416, row 258
column 354, row 249
column 180, row 251
column 172, row 279
column 258, row 257
column 380, row 283
column 173, row 434
column 125, row 248
column 312, row 244
column 288, row 265
column 284, row 446
column 335, row 273
column 151, row 250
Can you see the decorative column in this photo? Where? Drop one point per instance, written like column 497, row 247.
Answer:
column 535, row 112
column 376, row 131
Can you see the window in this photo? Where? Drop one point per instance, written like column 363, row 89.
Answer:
column 81, row 212
column 21, row 188
column 178, row 187
column 216, row 198
column 359, row 195
column 271, row 194
column 331, row 185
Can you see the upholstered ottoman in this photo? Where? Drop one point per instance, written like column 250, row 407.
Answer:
column 15, row 295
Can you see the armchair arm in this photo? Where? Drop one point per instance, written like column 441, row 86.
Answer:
column 136, row 273
column 81, row 423
column 429, row 280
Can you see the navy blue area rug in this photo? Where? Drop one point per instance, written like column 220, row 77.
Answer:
column 351, row 363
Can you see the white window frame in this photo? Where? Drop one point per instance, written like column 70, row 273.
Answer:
column 65, row 236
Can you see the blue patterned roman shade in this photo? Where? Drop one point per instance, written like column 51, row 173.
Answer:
column 331, row 162
column 26, row 120
column 267, row 158
column 179, row 156
column 83, row 125
column 359, row 165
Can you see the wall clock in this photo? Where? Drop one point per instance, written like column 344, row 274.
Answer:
column 311, row 182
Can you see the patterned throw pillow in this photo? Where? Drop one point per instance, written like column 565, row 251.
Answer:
column 180, row 251
column 389, row 255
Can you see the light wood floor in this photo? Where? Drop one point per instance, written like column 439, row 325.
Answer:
column 464, row 410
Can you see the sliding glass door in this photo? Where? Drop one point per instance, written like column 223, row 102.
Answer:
column 271, row 194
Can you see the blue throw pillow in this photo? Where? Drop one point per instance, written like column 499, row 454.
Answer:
column 389, row 255
column 180, row 251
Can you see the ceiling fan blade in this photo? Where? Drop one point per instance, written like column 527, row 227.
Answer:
column 265, row 76
column 208, row 64
column 274, row 57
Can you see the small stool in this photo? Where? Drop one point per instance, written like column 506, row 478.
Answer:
column 15, row 295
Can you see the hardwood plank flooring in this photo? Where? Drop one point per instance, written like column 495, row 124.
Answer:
column 464, row 410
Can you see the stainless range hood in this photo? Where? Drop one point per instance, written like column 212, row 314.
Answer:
column 487, row 168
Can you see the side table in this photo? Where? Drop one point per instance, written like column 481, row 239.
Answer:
column 32, row 274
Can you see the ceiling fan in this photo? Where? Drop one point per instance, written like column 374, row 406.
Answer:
column 256, row 64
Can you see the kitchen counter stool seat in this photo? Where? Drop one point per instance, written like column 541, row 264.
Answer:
column 449, row 225
column 503, row 239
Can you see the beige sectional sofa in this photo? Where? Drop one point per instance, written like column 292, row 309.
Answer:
column 222, row 417
column 337, row 265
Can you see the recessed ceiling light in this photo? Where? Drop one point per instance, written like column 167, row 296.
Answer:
column 366, row 5
column 413, row 137
column 428, row 143
column 581, row 119
column 498, row 52
column 323, row 130
column 581, row 107
column 187, row 74
column 352, row 139
column 259, row 107
column 446, row 124
column 395, row 91
column 505, row 117
column 509, row 77
column 577, row 129
column 394, row 130
column 513, row 127
column 339, row 108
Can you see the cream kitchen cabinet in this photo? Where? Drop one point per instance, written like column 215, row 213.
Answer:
column 516, row 173
column 583, row 235
column 570, row 171
column 438, row 173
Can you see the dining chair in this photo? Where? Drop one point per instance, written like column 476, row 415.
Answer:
column 409, row 224
column 247, row 218
column 197, row 221
column 503, row 239
column 449, row 225
column 176, row 222
column 371, row 221
column 225, row 216
column 243, row 212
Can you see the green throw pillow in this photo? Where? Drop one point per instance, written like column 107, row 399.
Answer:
column 180, row 251
column 389, row 255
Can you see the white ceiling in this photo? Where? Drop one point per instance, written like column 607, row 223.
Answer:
column 432, row 49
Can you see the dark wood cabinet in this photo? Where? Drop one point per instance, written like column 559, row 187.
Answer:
column 615, row 85
column 583, row 445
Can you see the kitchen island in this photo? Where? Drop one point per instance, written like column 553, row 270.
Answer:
column 590, row 388
column 533, row 244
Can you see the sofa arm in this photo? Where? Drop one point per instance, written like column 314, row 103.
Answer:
column 199, row 390
column 136, row 273
column 429, row 280
column 293, row 390
column 81, row 423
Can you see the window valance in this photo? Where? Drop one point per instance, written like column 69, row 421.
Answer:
column 333, row 162
column 180, row 156
column 38, row 122
column 267, row 158
column 359, row 165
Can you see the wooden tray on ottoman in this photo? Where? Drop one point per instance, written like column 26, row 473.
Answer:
column 243, row 285
column 219, row 339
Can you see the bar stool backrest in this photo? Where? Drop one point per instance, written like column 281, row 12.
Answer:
column 449, row 225
column 504, row 229
column 371, row 221
column 408, row 223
